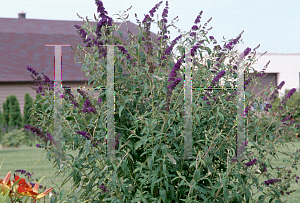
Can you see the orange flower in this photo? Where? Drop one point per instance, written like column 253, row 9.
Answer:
column 22, row 188
column 5, row 185
column 26, row 189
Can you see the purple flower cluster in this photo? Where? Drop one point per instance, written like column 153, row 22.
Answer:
column 105, row 21
column 165, row 12
column 70, row 97
column 268, row 106
column 272, row 181
column 39, row 82
column 41, row 135
column 99, row 101
column 103, row 188
column 193, row 50
column 297, row 178
column 211, row 37
column 82, row 33
column 247, row 51
column 247, row 110
column 288, row 193
column 153, row 10
column 220, row 59
column 217, row 47
column 195, row 27
column 32, row 70
column 175, row 82
column 176, row 67
column 87, row 136
column 88, row 107
column 169, row 48
column 231, row 95
column 193, row 34
column 247, row 82
column 124, row 51
column 23, row 171
column 147, row 18
column 250, row 163
column 232, row 43
column 217, row 78
column 264, row 168
column 291, row 92
column 197, row 20
column 274, row 94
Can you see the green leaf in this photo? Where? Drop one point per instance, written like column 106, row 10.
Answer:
column 221, row 116
column 139, row 37
column 171, row 158
column 114, row 178
column 211, row 118
column 162, row 193
column 208, row 50
column 120, row 33
column 120, row 110
column 138, row 144
column 208, row 63
column 197, row 175
column 153, row 183
column 70, row 118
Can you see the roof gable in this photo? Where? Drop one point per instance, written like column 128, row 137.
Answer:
column 23, row 43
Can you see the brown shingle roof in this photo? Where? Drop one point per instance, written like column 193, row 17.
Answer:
column 23, row 43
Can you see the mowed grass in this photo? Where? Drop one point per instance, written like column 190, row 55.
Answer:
column 25, row 157
column 295, row 196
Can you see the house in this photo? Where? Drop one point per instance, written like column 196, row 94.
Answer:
column 282, row 67
column 23, row 43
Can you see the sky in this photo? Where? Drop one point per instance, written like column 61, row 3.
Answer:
column 273, row 24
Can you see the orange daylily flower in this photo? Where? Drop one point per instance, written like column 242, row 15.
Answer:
column 26, row 189
column 23, row 188
column 6, row 184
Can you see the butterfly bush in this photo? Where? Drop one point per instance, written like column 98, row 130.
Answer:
column 149, row 123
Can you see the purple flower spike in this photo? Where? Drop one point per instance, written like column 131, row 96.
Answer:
column 247, row 51
column 272, row 181
column 103, row 188
column 165, row 12
column 217, row 78
column 197, row 20
column 153, row 10
column 195, row 27
column 250, row 163
column 193, row 34
column 291, row 92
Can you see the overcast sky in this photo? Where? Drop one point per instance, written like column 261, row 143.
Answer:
column 272, row 23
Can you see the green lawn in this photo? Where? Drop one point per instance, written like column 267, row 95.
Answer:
column 295, row 196
column 24, row 157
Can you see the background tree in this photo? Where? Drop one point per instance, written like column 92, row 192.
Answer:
column 1, row 126
column 15, row 117
column 5, row 115
column 27, row 112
